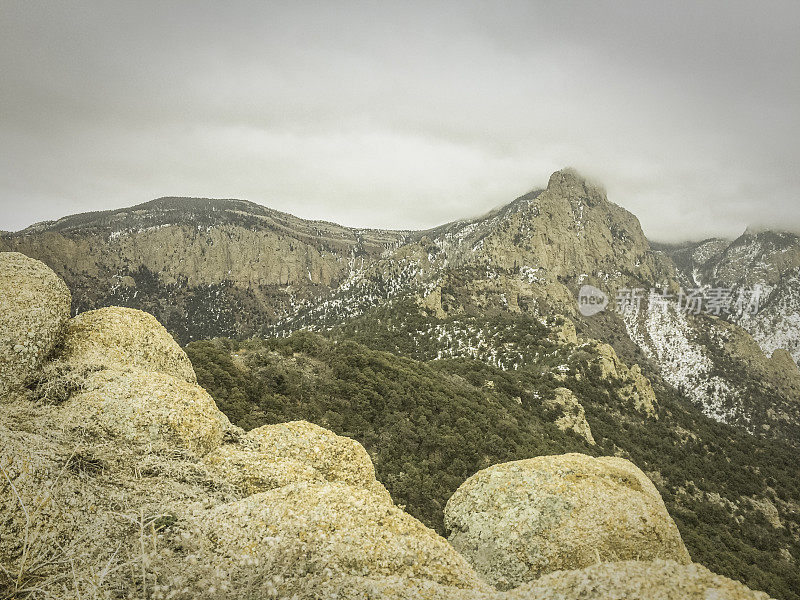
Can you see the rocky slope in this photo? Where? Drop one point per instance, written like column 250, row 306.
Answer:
column 134, row 484
column 738, row 357
column 720, row 367
column 767, row 261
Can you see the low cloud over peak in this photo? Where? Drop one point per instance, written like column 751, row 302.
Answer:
column 403, row 117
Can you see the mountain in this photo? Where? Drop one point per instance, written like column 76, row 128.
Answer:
column 446, row 351
column 715, row 358
column 203, row 267
column 529, row 257
column 767, row 261
column 229, row 268
column 233, row 268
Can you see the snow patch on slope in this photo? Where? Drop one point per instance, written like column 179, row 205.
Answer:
column 665, row 336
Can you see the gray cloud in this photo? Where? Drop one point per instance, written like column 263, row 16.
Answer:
column 403, row 116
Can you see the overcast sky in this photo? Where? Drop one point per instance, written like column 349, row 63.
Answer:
column 403, row 115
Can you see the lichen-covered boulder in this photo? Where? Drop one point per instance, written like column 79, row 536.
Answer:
column 330, row 531
column 275, row 455
column 379, row 588
column 517, row 521
column 34, row 306
column 656, row 580
column 121, row 338
column 147, row 407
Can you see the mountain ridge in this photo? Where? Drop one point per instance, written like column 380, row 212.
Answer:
column 225, row 268
column 166, row 203
column 317, row 256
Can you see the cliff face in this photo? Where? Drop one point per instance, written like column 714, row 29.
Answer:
column 204, row 267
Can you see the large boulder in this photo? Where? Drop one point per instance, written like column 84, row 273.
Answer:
column 147, row 407
column 34, row 306
column 272, row 456
column 657, row 580
column 121, row 338
column 382, row 588
column 517, row 521
column 332, row 530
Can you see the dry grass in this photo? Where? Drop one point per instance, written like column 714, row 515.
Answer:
column 42, row 558
column 58, row 381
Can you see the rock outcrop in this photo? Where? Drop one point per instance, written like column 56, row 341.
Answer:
column 662, row 580
column 520, row 520
column 566, row 230
column 122, row 338
column 273, row 456
column 309, row 510
column 634, row 387
column 148, row 407
column 34, row 306
column 573, row 414
column 562, row 329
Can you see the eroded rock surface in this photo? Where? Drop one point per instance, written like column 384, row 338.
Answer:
column 34, row 306
column 122, row 338
column 517, row 521
column 657, row 580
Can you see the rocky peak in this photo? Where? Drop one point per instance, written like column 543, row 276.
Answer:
column 529, row 256
column 568, row 232
column 570, row 184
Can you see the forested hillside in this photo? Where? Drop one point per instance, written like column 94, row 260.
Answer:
column 429, row 424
